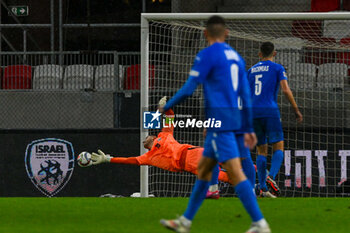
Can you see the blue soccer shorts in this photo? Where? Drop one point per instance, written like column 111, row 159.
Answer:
column 243, row 151
column 268, row 130
column 221, row 146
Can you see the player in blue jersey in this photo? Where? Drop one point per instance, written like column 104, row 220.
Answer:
column 244, row 152
column 218, row 68
column 265, row 78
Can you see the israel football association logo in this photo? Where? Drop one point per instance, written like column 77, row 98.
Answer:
column 49, row 163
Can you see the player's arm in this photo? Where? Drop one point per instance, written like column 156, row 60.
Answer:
column 245, row 96
column 250, row 139
column 198, row 74
column 124, row 160
column 289, row 94
column 101, row 157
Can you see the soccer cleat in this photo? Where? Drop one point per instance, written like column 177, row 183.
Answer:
column 272, row 185
column 254, row 228
column 266, row 194
column 175, row 225
column 213, row 195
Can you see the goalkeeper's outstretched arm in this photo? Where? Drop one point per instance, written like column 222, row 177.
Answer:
column 124, row 160
column 101, row 157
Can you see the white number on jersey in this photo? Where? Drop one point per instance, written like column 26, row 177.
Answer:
column 240, row 103
column 258, row 84
column 234, row 76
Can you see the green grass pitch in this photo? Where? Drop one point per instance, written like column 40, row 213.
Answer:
column 100, row 215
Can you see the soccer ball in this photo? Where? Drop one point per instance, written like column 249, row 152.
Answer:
column 84, row 159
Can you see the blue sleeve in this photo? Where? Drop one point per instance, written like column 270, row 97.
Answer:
column 201, row 66
column 244, row 93
column 186, row 91
column 282, row 75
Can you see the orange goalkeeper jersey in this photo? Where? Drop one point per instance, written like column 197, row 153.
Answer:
column 166, row 152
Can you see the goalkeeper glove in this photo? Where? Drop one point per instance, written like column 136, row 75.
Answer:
column 100, row 157
column 162, row 102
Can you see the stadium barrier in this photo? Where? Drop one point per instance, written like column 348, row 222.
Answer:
column 84, row 182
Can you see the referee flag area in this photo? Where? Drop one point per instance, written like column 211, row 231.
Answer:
column 104, row 215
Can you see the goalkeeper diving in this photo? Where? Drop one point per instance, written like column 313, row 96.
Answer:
column 166, row 153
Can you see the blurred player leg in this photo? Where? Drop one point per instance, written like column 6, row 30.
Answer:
column 261, row 165
column 249, row 169
column 200, row 188
column 213, row 191
column 259, row 128
column 247, row 162
column 246, row 195
column 226, row 150
column 277, row 159
column 275, row 135
column 276, row 162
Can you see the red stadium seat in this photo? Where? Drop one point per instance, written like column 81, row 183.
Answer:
column 320, row 56
column 133, row 74
column 344, row 57
column 306, row 29
column 17, row 77
column 324, row 5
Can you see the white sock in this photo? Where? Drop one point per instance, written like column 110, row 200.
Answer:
column 213, row 188
column 261, row 223
column 186, row 222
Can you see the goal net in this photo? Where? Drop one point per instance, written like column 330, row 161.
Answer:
column 315, row 51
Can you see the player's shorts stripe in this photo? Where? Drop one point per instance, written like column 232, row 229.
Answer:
column 213, row 143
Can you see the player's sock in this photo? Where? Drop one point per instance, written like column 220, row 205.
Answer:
column 276, row 162
column 249, row 170
column 215, row 176
column 245, row 193
column 197, row 197
column 261, row 164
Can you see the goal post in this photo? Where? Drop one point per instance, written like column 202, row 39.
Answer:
column 314, row 49
column 144, row 101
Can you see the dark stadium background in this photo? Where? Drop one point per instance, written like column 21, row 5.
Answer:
column 83, row 11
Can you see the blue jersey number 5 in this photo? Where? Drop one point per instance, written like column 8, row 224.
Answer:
column 258, row 84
